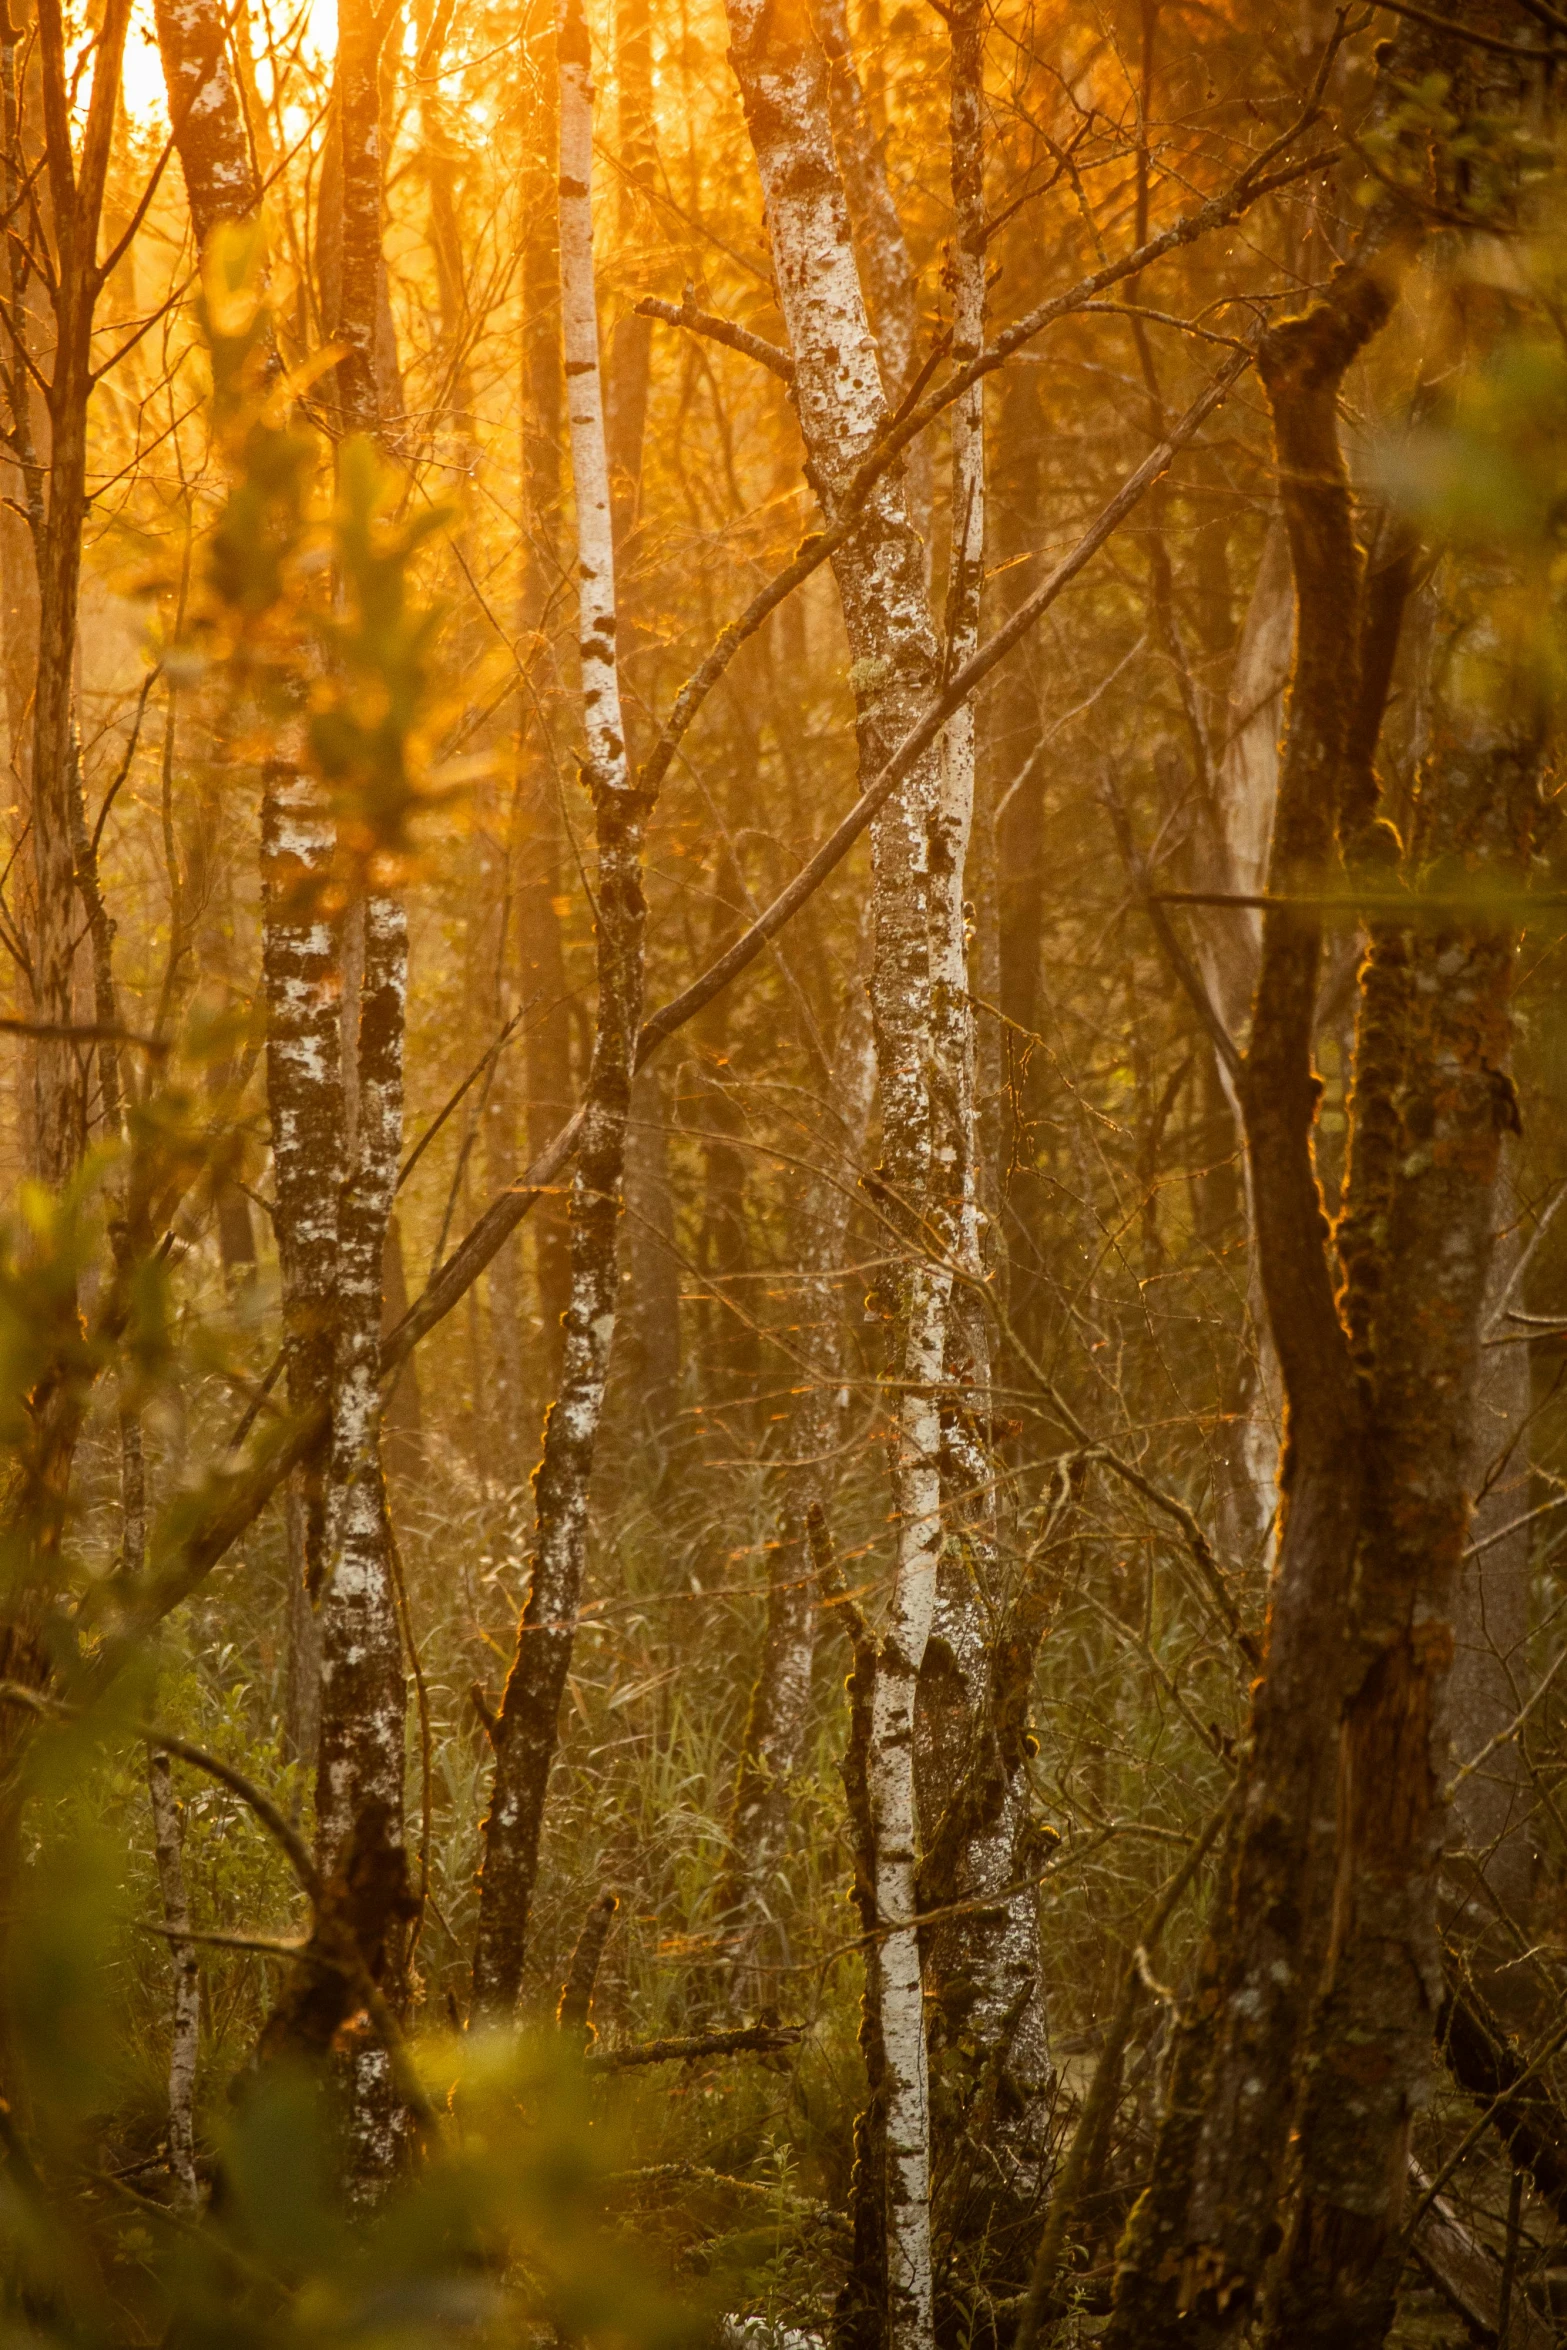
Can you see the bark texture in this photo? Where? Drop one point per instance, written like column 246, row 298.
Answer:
column 526, row 1731
column 1371, row 2048
column 541, row 880
column 366, row 369
column 185, row 2033
column 302, row 977
column 989, row 2056
column 880, row 575
column 206, row 108
column 363, row 1695
column 1194, row 2256
column 881, row 247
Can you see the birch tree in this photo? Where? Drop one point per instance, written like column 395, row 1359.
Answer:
column 880, row 576
column 525, row 1730
column 991, row 2120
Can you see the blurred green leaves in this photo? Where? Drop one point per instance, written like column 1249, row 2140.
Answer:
column 505, row 2233
column 377, row 705
column 1492, row 474
column 312, row 604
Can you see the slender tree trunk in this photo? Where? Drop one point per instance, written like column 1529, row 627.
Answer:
column 541, row 875
column 989, row 2058
column 880, row 574
column 185, row 2038
column 360, row 1760
column 363, row 1697
column 631, row 347
column 1494, row 1807
column 1229, row 851
column 24, row 465
column 723, row 1246
column 361, row 264
column 1019, row 822
column 526, row 1733
column 653, row 1271
column 35, row 1494
column 302, row 975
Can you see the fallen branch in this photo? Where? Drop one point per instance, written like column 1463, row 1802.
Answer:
column 748, row 2040
column 1468, row 2274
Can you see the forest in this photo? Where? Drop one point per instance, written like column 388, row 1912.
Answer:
column 782, row 1108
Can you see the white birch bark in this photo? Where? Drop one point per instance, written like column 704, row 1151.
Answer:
column 185, row 2039
column 880, row 575
column 526, row 1731
column 302, row 973
column 364, row 1699
column 606, row 749
column 988, row 2046
column 886, row 269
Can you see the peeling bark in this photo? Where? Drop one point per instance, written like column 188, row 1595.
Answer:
column 881, row 248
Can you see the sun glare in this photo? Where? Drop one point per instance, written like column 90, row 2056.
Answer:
column 142, row 76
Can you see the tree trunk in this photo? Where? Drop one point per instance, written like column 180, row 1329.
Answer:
column 36, row 1489
column 880, row 574
column 881, row 248
column 541, row 877
column 1229, row 851
column 631, row 347
column 1372, row 2043
column 653, row 1270
column 206, row 110
column 526, row 1732
column 1493, row 1809
column 989, row 2060
column 185, row 2036
column 363, row 1697
column 1198, row 2239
